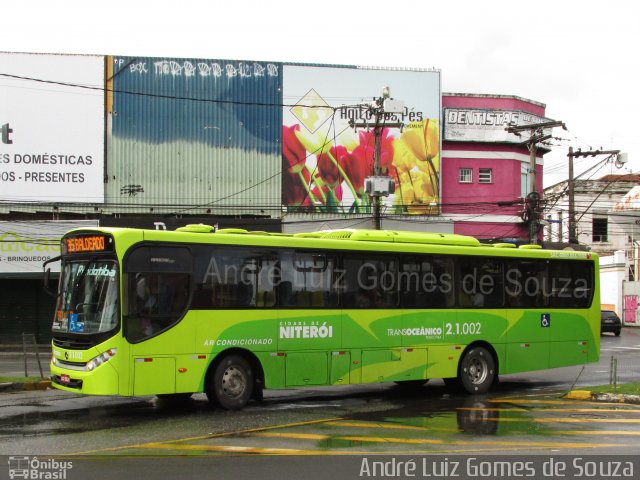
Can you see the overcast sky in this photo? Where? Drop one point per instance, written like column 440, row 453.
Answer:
column 580, row 58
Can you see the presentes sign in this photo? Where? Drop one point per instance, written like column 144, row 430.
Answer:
column 52, row 119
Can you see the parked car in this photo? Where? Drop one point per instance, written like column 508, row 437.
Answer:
column 610, row 322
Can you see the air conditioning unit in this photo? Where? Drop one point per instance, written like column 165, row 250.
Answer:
column 379, row 186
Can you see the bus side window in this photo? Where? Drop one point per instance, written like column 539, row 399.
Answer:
column 285, row 294
column 480, row 282
column 426, row 281
column 369, row 282
column 307, row 280
column 157, row 301
column 156, row 289
column 526, row 283
column 570, row 284
column 234, row 277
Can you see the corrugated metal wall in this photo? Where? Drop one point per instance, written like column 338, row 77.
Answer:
column 194, row 136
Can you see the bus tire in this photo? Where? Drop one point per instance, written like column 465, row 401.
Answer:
column 477, row 370
column 231, row 384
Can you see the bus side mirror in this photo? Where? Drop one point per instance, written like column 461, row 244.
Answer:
column 47, row 277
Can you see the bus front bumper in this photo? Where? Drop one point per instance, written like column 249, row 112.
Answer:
column 103, row 380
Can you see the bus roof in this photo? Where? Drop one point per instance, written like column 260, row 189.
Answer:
column 397, row 241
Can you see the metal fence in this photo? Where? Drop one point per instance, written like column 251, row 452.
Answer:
column 623, row 371
column 620, row 370
column 23, row 358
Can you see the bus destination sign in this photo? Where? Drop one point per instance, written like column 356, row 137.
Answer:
column 86, row 243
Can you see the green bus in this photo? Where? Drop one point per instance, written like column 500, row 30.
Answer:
column 231, row 312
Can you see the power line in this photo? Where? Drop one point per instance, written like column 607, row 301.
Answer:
column 325, row 143
column 162, row 96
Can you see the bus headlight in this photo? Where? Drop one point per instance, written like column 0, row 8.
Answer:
column 54, row 361
column 100, row 359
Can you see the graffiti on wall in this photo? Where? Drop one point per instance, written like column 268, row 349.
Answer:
column 630, row 308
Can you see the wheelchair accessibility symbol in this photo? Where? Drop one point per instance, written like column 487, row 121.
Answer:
column 545, row 320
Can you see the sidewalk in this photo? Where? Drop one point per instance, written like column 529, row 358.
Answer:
column 12, row 365
column 588, row 395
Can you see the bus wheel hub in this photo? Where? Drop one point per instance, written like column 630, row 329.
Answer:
column 233, row 382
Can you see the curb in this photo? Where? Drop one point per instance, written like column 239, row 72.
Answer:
column 602, row 397
column 28, row 386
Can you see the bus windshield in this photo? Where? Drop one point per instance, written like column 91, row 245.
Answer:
column 88, row 300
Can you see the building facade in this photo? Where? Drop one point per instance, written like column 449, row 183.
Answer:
column 603, row 221
column 606, row 212
column 486, row 171
column 164, row 142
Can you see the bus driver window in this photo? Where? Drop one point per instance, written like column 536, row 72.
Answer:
column 146, row 302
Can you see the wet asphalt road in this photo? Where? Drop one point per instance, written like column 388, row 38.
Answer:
column 522, row 415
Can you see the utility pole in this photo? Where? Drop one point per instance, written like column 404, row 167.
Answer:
column 572, row 206
column 379, row 186
column 377, row 201
column 536, row 136
column 621, row 159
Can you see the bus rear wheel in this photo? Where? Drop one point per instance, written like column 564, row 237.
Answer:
column 231, row 384
column 477, row 370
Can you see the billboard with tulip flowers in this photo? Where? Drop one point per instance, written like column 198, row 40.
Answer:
column 326, row 160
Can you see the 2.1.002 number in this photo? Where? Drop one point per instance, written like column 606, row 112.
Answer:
column 467, row 328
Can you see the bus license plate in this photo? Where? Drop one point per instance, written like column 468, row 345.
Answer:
column 64, row 378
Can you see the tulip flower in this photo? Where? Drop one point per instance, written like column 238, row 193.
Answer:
column 295, row 190
column 294, row 154
column 296, row 177
column 368, row 142
column 329, row 166
column 423, row 139
column 416, row 162
column 355, row 168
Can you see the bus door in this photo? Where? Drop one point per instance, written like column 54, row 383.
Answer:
column 428, row 301
column 372, row 318
column 156, row 287
column 481, row 310
column 570, row 319
column 310, row 323
column 528, row 332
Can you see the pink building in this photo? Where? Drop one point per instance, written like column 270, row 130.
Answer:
column 485, row 169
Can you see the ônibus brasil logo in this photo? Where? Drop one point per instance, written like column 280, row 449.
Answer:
column 36, row 469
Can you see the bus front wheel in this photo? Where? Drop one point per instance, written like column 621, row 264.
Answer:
column 231, row 384
column 477, row 370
